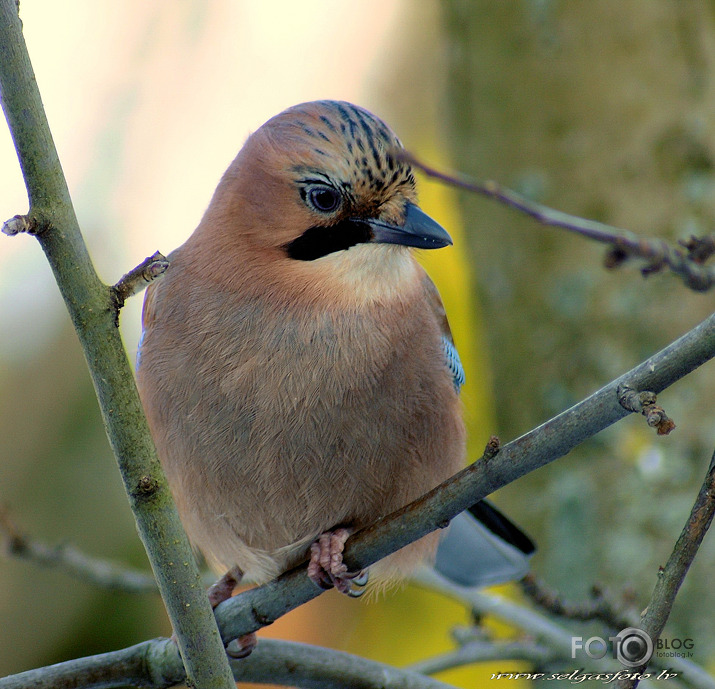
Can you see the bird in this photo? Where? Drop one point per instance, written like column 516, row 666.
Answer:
column 297, row 369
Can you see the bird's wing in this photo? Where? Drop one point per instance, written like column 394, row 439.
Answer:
column 451, row 355
column 481, row 547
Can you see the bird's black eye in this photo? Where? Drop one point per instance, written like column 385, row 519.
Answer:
column 323, row 199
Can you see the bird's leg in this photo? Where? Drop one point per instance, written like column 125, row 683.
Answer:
column 219, row 592
column 326, row 567
column 223, row 589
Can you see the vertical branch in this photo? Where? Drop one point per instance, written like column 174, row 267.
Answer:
column 671, row 577
column 90, row 305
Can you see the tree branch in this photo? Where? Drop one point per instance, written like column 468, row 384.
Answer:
column 133, row 666
column 551, row 635
column 92, row 310
column 156, row 664
column 600, row 607
column 68, row 559
column 623, row 244
column 484, row 652
column 548, row 634
column 671, row 577
column 313, row 667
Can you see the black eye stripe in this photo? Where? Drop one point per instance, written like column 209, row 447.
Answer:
column 320, row 241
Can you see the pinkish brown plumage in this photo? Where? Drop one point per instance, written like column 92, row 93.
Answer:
column 293, row 365
column 287, row 397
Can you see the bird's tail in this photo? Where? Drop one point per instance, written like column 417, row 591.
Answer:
column 482, row 548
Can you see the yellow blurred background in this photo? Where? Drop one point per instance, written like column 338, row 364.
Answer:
column 601, row 109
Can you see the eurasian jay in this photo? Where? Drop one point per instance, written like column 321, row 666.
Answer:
column 297, row 368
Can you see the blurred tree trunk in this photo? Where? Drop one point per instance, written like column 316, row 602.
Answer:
column 601, row 109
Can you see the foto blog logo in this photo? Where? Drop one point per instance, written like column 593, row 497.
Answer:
column 631, row 647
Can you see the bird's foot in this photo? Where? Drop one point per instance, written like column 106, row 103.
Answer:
column 223, row 590
column 327, row 569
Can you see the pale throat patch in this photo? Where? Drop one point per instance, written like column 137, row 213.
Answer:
column 370, row 272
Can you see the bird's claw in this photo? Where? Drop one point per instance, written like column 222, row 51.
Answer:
column 358, row 583
column 326, row 568
column 242, row 646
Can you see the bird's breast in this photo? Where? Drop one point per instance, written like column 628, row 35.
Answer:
column 334, row 415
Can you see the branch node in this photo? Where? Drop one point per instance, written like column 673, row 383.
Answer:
column 491, row 187
column 644, row 402
column 21, row 223
column 700, row 249
column 615, row 257
column 261, row 619
column 147, row 486
column 492, row 448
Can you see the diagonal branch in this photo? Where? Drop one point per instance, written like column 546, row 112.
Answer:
column 543, row 633
column 601, row 606
column 657, row 253
column 616, row 615
column 68, row 559
column 90, row 305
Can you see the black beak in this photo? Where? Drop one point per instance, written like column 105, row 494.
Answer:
column 419, row 230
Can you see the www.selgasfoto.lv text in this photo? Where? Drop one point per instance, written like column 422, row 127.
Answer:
column 578, row 676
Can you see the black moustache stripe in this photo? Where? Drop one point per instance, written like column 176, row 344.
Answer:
column 320, row 241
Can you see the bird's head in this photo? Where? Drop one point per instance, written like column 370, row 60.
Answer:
column 320, row 185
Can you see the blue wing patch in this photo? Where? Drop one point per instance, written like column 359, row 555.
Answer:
column 454, row 364
column 139, row 351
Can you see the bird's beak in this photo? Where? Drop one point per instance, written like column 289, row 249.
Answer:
column 418, row 230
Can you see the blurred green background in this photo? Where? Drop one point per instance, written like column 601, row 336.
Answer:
column 602, row 109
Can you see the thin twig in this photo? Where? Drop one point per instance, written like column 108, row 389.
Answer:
column 71, row 561
column 483, row 652
column 623, row 244
column 536, row 625
column 600, row 607
column 552, row 635
column 139, row 278
column 671, row 577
